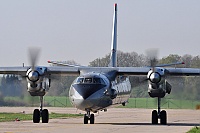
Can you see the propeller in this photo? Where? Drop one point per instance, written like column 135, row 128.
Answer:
column 152, row 55
column 33, row 56
column 153, row 76
column 33, row 74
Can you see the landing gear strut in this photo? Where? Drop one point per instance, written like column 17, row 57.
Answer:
column 88, row 117
column 41, row 113
column 162, row 115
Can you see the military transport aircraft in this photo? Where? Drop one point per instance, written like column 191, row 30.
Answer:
column 97, row 88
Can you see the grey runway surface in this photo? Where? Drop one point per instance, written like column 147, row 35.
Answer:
column 115, row 120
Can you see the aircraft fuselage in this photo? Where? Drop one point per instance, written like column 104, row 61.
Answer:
column 95, row 91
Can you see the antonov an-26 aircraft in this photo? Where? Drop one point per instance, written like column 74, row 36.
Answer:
column 97, row 88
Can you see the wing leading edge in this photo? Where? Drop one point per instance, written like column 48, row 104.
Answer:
column 14, row 70
column 129, row 71
column 134, row 71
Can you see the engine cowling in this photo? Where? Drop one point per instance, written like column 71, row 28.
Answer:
column 38, row 82
column 156, row 75
column 33, row 76
column 158, row 86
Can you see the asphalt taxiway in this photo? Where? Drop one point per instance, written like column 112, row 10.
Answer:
column 115, row 120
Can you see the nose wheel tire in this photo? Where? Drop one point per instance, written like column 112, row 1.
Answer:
column 92, row 119
column 86, row 119
column 89, row 118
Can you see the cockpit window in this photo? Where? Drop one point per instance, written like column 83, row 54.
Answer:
column 88, row 80
column 102, row 81
column 97, row 80
column 82, row 80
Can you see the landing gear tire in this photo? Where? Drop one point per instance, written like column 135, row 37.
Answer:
column 45, row 116
column 36, row 116
column 154, row 117
column 41, row 113
column 163, row 117
column 85, row 119
column 92, row 119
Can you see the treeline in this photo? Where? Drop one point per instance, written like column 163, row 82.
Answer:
column 11, row 85
column 182, row 87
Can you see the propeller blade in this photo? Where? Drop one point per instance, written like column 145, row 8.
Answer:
column 33, row 56
column 152, row 55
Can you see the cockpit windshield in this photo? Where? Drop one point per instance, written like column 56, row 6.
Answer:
column 95, row 80
column 88, row 80
column 80, row 80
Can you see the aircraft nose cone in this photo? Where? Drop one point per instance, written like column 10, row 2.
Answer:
column 86, row 90
column 84, row 103
column 84, row 96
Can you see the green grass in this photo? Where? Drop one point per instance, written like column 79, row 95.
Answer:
column 194, row 130
column 53, row 101
column 5, row 117
column 165, row 103
column 62, row 101
column 58, row 101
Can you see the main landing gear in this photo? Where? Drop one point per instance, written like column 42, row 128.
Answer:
column 41, row 113
column 88, row 117
column 162, row 115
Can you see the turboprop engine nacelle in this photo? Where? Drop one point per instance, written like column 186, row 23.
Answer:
column 38, row 84
column 158, row 85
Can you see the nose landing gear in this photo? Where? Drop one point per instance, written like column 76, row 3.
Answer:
column 88, row 117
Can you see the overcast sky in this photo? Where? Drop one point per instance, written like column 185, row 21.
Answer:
column 80, row 30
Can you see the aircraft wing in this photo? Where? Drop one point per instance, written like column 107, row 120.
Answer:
column 55, row 70
column 50, row 70
column 14, row 70
column 183, row 71
column 64, row 70
column 134, row 71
